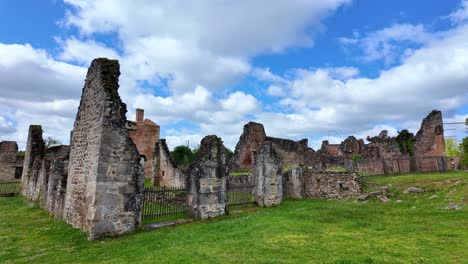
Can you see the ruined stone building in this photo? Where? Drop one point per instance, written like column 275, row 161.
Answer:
column 428, row 142
column 166, row 173
column 11, row 164
column 145, row 134
column 253, row 137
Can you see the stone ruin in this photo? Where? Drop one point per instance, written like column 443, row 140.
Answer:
column 144, row 133
column 207, row 180
column 96, row 183
column 105, row 178
column 253, row 137
column 165, row 171
column 268, row 175
column 11, row 163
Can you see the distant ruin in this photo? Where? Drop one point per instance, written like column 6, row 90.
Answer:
column 11, row 163
column 145, row 134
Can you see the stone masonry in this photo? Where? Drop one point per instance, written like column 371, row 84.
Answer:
column 429, row 141
column 9, row 161
column 267, row 173
column 293, row 182
column 105, row 178
column 145, row 134
column 207, row 182
column 165, row 171
column 331, row 185
column 35, row 151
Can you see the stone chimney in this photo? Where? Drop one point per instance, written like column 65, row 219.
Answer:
column 140, row 114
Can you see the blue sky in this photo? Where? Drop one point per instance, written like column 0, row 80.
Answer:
column 302, row 68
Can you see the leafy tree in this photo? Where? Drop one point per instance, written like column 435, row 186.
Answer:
column 182, row 155
column 451, row 147
column 405, row 142
column 50, row 142
column 464, row 149
column 230, row 154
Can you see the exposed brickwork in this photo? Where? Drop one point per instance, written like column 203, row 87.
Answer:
column 105, row 180
column 165, row 171
column 429, row 141
column 145, row 134
column 208, row 180
column 250, row 141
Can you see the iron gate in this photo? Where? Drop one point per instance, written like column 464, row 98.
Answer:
column 161, row 203
column 240, row 190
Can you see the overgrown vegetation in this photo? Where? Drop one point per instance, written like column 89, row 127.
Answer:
column 452, row 148
column 405, row 142
column 184, row 156
column 464, row 151
column 415, row 230
column 356, row 157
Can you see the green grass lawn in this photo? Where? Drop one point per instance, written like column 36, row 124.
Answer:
column 416, row 230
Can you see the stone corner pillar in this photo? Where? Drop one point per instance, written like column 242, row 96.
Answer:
column 268, row 175
column 34, row 150
column 105, row 178
column 207, row 180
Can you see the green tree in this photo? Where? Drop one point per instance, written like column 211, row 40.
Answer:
column 405, row 142
column 451, row 147
column 464, row 149
column 182, row 155
column 50, row 142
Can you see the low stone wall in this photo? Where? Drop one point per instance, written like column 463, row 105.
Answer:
column 8, row 160
column 331, row 185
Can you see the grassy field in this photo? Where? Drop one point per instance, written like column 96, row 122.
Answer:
column 416, row 229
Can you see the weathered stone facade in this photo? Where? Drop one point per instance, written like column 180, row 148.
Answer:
column 429, row 141
column 165, row 171
column 293, row 182
column 207, row 182
column 145, row 134
column 57, row 188
column 11, row 166
column 250, row 141
column 267, row 172
column 253, row 137
column 105, row 178
column 331, row 185
column 35, row 151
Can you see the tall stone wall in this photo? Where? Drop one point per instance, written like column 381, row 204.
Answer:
column 207, row 182
column 165, row 171
column 249, row 142
column 429, row 141
column 34, row 154
column 105, row 178
column 331, row 185
column 267, row 173
column 8, row 160
column 57, row 188
column 293, row 152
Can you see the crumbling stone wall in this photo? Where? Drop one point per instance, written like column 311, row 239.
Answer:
column 207, row 182
column 145, row 134
column 8, row 160
column 267, row 172
column 34, row 153
column 382, row 146
column 57, row 187
column 252, row 138
column 429, row 141
column 105, row 180
column 165, row 170
column 250, row 141
column 331, row 185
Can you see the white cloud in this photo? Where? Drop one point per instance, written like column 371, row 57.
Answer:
column 385, row 44
column 461, row 14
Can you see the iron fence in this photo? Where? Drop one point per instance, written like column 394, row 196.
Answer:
column 10, row 188
column 161, row 203
column 240, row 190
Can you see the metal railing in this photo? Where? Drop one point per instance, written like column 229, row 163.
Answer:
column 161, row 203
column 9, row 188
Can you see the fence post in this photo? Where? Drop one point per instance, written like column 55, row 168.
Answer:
column 384, row 164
